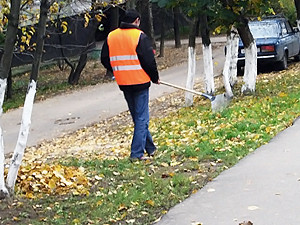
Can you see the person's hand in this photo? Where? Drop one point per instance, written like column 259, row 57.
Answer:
column 158, row 81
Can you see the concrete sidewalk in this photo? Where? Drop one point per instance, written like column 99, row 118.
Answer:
column 263, row 188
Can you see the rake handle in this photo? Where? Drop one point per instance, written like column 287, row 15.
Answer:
column 189, row 90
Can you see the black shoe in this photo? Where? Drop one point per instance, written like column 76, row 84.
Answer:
column 152, row 154
column 143, row 158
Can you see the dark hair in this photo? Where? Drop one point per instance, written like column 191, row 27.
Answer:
column 130, row 16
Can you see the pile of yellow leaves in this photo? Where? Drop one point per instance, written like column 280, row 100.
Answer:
column 38, row 178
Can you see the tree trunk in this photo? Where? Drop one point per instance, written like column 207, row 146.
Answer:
column 74, row 76
column 230, row 65
column 297, row 5
column 9, row 85
column 250, row 72
column 176, row 12
column 3, row 190
column 207, row 56
column 130, row 4
column 191, row 64
column 162, row 32
column 234, row 59
column 114, row 18
column 28, row 105
column 10, row 40
column 145, row 9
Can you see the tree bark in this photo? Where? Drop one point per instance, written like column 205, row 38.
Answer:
column 74, row 76
column 250, row 72
column 230, row 65
column 191, row 64
column 130, row 4
column 145, row 9
column 28, row 105
column 5, row 65
column 176, row 12
column 297, row 5
column 207, row 55
column 9, row 85
column 3, row 190
column 114, row 18
column 162, row 32
column 234, row 54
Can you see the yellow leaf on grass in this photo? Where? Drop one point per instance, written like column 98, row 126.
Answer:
column 282, row 94
column 150, row 202
column 99, row 202
column 171, row 174
column 52, row 184
column 16, row 218
column 268, row 129
column 76, row 221
column 122, row 207
column 164, row 212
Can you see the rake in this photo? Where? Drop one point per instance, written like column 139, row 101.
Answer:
column 218, row 102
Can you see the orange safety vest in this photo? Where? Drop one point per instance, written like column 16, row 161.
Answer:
column 124, row 60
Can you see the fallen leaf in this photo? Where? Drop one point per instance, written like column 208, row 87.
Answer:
column 211, row 190
column 253, row 207
column 150, row 202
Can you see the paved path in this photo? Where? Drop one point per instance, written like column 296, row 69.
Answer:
column 263, row 188
column 66, row 113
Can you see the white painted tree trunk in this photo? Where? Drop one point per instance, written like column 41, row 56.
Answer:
column 234, row 55
column 226, row 67
column 230, row 65
column 191, row 75
column 250, row 69
column 208, row 69
column 22, row 138
column 3, row 189
column 298, row 24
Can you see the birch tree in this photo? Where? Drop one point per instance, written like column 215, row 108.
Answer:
column 10, row 40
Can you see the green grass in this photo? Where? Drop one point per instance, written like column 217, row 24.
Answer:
column 195, row 145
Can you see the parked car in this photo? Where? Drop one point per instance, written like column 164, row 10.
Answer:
column 276, row 42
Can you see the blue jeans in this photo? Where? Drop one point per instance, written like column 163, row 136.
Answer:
column 138, row 104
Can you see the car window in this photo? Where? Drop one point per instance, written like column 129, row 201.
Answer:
column 264, row 29
column 288, row 27
column 284, row 30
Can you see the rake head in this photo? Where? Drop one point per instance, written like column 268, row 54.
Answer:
column 220, row 102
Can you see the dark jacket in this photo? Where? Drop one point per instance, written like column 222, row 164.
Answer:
column 146, row 57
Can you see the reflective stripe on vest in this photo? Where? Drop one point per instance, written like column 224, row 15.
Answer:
column 126, row 66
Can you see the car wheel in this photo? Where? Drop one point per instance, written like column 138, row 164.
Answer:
column 283, row 64
column 297, row 57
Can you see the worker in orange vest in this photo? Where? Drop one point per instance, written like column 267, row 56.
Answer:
column 128, row 53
